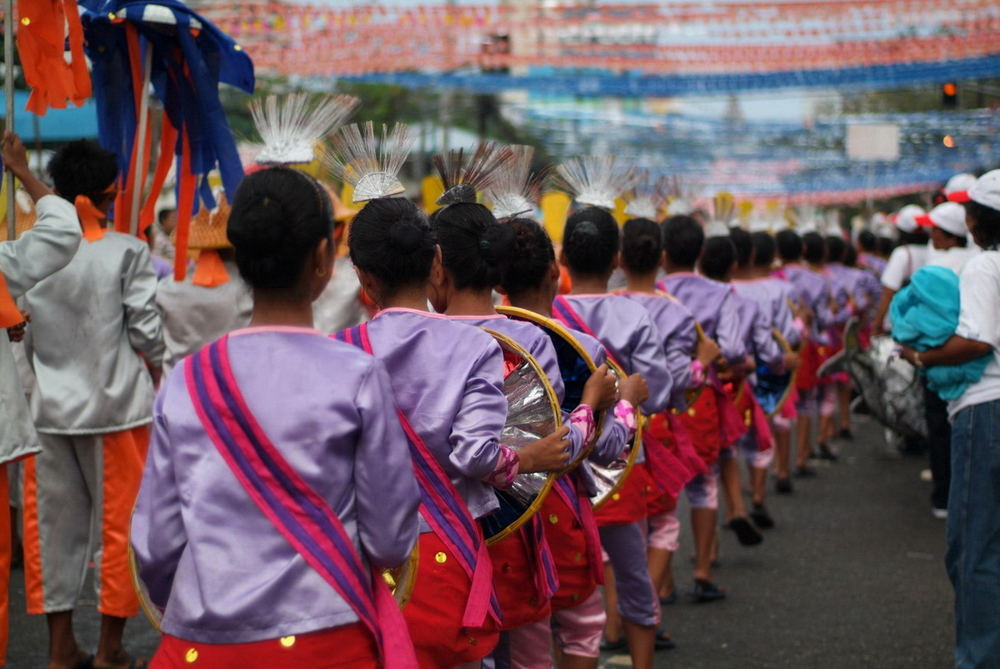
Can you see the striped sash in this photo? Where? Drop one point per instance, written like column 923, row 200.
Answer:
column 444, row 510
column 297, row 511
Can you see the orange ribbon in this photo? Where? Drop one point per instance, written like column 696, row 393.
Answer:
column 41, row 38
column 10, row 315
column 90, row 218
column 209, row 270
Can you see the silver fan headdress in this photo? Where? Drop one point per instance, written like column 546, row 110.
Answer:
column 371, row 165
column 723, row 215
column 291, row 126
column 465, row 176
column 595, row 180
column 646, row 198
column 513, row 187
column 681, row 195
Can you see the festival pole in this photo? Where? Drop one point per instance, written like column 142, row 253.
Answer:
column 139, row 176
column 8, row 59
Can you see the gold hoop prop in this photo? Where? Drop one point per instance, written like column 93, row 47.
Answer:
column 575, row 367
column 532, row 413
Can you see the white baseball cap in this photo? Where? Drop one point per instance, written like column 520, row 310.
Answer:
column 957, row 188
column 949, row 216
column 986, row 190
column 906, row 219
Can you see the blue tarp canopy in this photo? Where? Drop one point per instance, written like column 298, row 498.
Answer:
column 58, row 125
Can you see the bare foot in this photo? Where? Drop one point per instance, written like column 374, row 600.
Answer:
column 121, row 660
column 81, row 659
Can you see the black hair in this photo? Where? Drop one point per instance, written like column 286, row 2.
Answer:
column 813, row 248
column 743, row 244
column 789, row 245
column 162, row 216
column 836, row 247
column 764, row 248
column 718, row 257
column 83, row 168
column 591, row 240
column 867, row 241
column 475, row 248
column 850, row 256
column 918, row 236
column 986, row 226
column 641, row 245
column 391, row 239
column 683, row 239
column 279, row 215
column 531, row 257
column 885, row 246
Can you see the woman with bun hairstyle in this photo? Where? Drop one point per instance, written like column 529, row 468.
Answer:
column 689, row 357
column 531, row 282
column 590, row 253
column 475, row 250
column 448, row 382
column 278, row 483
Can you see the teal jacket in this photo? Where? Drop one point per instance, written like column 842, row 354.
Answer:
column 924, row 316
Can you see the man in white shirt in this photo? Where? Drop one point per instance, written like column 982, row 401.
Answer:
column 973, row 557
column 949, row 236
column 907, row 258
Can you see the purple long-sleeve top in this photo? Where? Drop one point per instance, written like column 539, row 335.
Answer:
column 447, row 377
column 813, row 291
column 873, row 262
column 773, row 295
column 841, row 289
column 626, row 330
column 711, row 304
column 208, row 554
column 755, row 328
column 678, row 334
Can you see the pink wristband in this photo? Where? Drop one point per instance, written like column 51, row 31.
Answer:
column 582, row 418
column 506, row 469
column 626, row 415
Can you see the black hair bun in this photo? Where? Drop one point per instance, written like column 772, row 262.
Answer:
column 497, row 243
column 406, row 237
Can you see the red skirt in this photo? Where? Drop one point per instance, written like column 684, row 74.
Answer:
column 346, row 647
column 434, row 612
column 702, row 421
column 514, row 581
column 568, row 543
column 809, row 362
column 628, row 505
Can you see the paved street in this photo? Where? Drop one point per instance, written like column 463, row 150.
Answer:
column 853, row 577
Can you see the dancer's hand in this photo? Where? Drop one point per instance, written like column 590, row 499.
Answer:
column 548, row 454
column 601, row 389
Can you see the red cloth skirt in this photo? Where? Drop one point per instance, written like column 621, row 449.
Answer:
column 346, row 647
column 702, row 422
column 809, row 362
column 434, row 612
column 628, row 505
column 514, row 580
column 568, row 544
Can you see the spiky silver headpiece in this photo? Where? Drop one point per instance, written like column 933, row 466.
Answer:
column 723, row 215
column 370, row 165
column 682, row 194
column 465, row 176
column 513, row 189
column 291, row 126
column 595, row 180
column 646, row 197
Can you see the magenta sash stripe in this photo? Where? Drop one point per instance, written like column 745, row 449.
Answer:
column 297, row 511
column 443, row 509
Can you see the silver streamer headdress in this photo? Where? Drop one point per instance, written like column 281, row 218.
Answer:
column 595, row 180
column 513, row 190
column 291, row 126
column 370, row 165
column 682, row 194
column 646, row 198
column 806, row 219
column 465, row 176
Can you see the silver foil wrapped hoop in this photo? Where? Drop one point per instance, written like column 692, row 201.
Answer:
column 532, row 413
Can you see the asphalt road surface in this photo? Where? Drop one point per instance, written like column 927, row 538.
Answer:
column 852, row 577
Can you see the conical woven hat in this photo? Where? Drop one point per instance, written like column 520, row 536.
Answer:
column 208, row 228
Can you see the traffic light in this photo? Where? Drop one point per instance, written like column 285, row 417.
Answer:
column 949, row 94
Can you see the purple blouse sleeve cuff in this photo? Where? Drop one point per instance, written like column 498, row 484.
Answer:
column 697, row 374
column 582, row 418
column 505, row 471
column 625, row 414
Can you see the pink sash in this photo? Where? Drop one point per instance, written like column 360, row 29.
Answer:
column 297, row 511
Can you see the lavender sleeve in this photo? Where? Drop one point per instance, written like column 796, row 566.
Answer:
column 475, row 434
column 766, row 346
column 728, row 332
column 386, row 492
column 158, row 506
column 784, row 321
column 647, row 357
column 679, row 349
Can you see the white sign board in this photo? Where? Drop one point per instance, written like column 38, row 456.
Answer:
column 876, row 141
